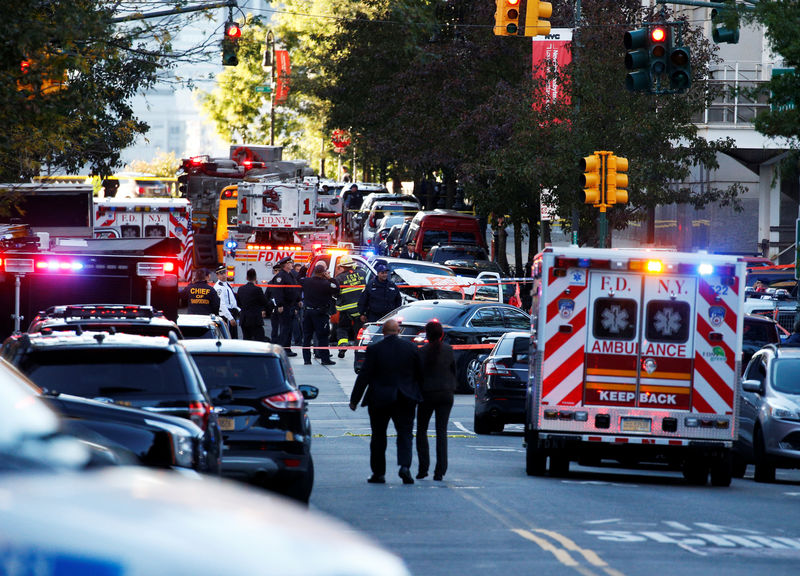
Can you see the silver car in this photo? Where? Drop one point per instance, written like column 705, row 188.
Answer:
column 769, row 412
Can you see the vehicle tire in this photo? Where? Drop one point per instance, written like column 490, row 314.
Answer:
column 695, row 471
column 722, row 470
column 535, row 460
column 470, row 374
column 765, row 469
column 482, row 424
column 559, row 465
column 299, row 488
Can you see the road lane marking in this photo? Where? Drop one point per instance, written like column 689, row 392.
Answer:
column 561, row 555
column 461, row 427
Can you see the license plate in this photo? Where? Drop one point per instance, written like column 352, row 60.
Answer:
column 226, row 423
column 636, row 425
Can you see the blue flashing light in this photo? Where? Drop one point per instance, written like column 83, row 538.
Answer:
column 369, row 254
column 584, row 262
column 705, row 269
column 231, row 244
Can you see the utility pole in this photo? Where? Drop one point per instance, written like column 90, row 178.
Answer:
column 269, row 66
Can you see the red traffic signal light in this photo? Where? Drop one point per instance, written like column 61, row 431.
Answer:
column 658, row 34
column 233, row 31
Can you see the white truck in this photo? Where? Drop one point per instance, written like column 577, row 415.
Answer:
column 274, row 219
column 636, row 356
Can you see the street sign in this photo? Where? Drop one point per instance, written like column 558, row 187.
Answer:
column 263, row 88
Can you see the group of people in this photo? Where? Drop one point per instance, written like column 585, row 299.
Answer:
column 397, row 381
column 298, row 305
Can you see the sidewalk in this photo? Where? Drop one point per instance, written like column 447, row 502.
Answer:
column 335, row 384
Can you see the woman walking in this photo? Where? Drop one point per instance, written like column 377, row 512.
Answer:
column 438, row 388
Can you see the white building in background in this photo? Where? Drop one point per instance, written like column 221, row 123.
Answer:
column 173, row 112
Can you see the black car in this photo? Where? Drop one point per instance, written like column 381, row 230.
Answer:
column 125, row 318
column 262, row 413
column 502, row 384
column 139, row 437
column 143, row 372
column 758, row 332
column 464, row 322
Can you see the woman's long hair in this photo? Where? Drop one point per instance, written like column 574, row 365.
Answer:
column 434, row 334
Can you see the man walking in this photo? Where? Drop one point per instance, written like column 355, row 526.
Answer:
column 351, row 285
column 389, row 382
column 228, row 307
column 287, row 296
column 254, row 308
column 380, row 297
column 319, row 291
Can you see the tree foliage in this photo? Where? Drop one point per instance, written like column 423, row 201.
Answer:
column 89, row 120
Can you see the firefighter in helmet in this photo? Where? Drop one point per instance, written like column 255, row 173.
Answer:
column 351, row 284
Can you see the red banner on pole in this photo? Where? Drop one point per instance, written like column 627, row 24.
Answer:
column 554, row 49
column 282, row 72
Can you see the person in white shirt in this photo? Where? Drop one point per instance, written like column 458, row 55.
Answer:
column 228, row 306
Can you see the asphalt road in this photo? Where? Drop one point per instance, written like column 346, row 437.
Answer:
column 489, row 517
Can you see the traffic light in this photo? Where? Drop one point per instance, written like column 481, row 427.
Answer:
column 616, row 180
column 724, row 27
column 183, row 185
column 680, row 68
column 230, row 44
column 637, row 60
column 536, row 13
column 658, row 43
column 591, row 179
column 506, row 18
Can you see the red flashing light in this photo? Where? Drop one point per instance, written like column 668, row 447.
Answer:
column 360, row 333
column 513, row 2
column 25, row 66
column 169, row 266
column 658, row 34
column 197, row 160
column 232, row 30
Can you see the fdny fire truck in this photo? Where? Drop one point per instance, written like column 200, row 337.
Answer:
column 148, row 218
column 275, row 219
column 635, row 359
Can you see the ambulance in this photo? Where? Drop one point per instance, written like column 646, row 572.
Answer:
column 275, row 219
column 148, row 218
column 635, row 357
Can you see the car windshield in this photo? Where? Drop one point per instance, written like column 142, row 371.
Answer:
column 421, row 314
column 113, row 372
column 786, row 375
column 245, row 374
column 421, row 268
column 462, row 254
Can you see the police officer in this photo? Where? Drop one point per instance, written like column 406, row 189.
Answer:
column 228, row 307
column 271, row 311
column 351, row 285
column 287, row 296
column 318, row 291
column 202, row 297
column 380, row 297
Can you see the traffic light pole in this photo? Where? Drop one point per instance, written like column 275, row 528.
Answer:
column 602, row 221
column 270, row 53
column 175, row 11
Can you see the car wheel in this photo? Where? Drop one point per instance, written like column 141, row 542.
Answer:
column 473, row 374
column 559, row 465
column 482, row 424
column 695, row 471
column 722, row 470
column 535, row 460
column 765, row 469
column 739, row 466
column 299, row 488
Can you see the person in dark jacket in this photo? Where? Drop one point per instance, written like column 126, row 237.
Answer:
column 318, row 292
column 794, row 337
column 438, row 389
column 389, row 382
column 274, row 323
column 254, row 308
column 380, row 297
column 200, row 295
column 287, row 295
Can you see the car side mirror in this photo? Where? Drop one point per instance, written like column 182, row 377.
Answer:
column 309, row 392
column 752, row 386
column 482, row 357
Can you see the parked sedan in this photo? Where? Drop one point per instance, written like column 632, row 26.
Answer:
column 502, row 383
column 464, row 322
column 262, row 412
column 769, row 412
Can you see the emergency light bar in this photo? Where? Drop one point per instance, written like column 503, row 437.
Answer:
column 653, row 266
column 58, row 265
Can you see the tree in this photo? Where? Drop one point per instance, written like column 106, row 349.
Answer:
column 163, row 164
column 780, row 22
column 100, row 66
